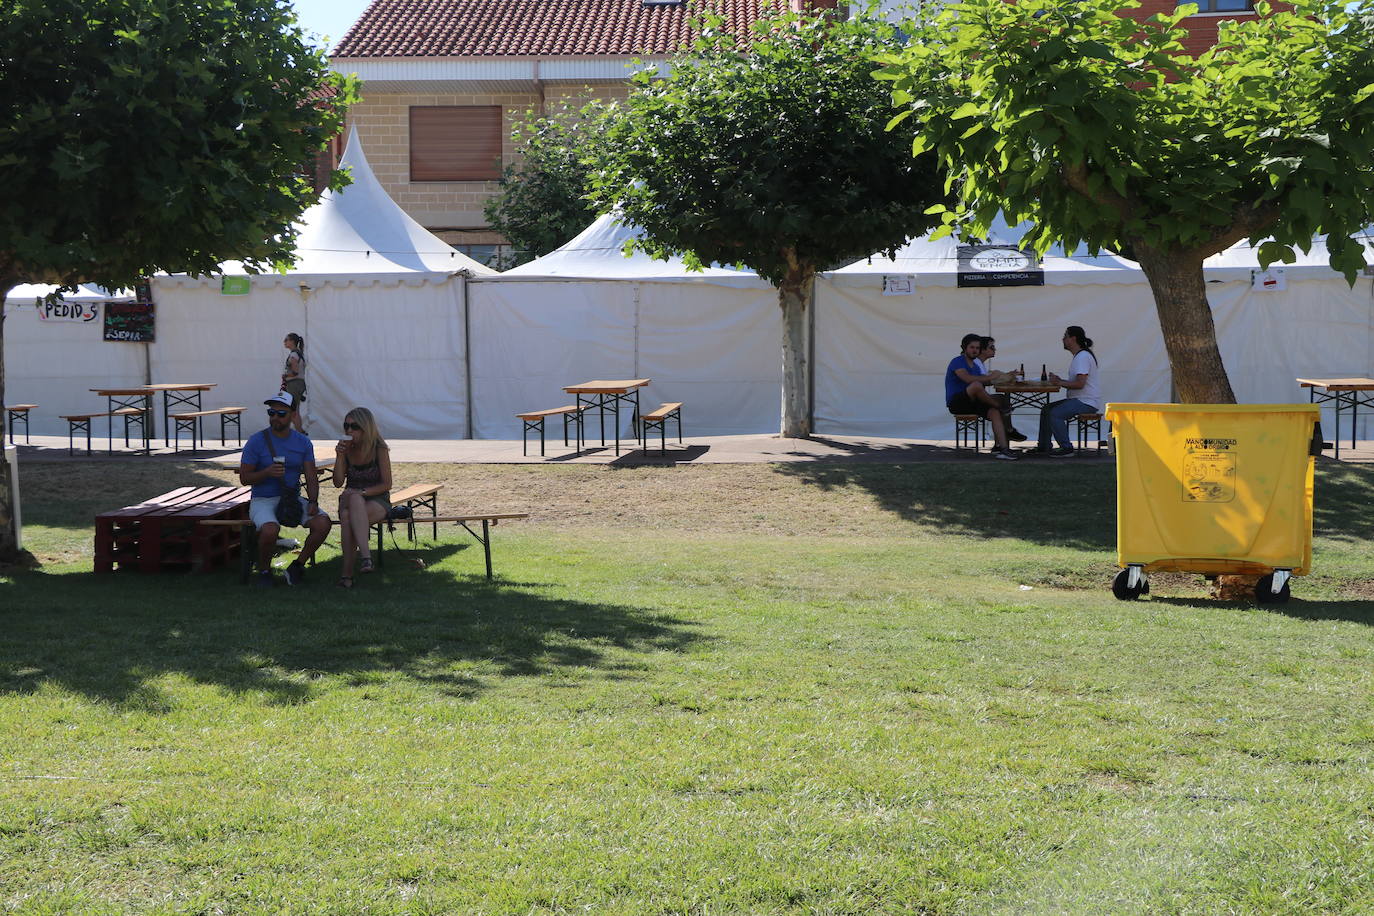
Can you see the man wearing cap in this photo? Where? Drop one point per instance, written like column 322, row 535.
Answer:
column 273, row 462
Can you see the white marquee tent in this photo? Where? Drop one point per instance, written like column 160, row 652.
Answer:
column 880, row 360
column 378, row 299
column 711, row 339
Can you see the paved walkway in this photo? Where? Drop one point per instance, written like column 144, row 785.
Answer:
column 695, row 450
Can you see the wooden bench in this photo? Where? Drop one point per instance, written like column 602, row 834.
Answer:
column 535, row 420
column 658, row 419
column 421, row 495
column 81, row 422
column 488, row 521
column 1088, row 423
column 190, row 422
column 17, row 412
column 968, row 431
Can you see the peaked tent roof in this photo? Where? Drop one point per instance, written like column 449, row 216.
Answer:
column 922, row 256
column 27, row 292
column 598, row 252
column 362, row 231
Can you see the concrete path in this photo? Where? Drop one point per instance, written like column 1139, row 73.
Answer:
column 694, row 450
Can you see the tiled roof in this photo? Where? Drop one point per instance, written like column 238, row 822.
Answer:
column 509, row 28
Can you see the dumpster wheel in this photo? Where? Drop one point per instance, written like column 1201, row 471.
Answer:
column 1264, row 588
column 1130, row 584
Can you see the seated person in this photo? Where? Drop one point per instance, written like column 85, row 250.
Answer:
column 1084, row 394
column 965, row 393
column 985, row 354
column 273, row 463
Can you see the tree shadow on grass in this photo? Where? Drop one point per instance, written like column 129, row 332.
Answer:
column 1064, row 503
column 1354, row 611
column 111, row 638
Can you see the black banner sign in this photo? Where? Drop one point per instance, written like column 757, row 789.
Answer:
column 131, row 321
column 999, row 265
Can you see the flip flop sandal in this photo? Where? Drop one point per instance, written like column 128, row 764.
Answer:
column 365, row 565
column 345, row 581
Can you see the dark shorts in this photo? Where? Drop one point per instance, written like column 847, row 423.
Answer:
column 296, row 388
column 962, row 403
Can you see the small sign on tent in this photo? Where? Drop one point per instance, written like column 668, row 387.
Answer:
column 1272, row 279
column 999, row 265
column 234, row 286
column 68, row 311
column 899, row 284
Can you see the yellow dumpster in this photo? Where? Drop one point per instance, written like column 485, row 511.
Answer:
column 1214, row 489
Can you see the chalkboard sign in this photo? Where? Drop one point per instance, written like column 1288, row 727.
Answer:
column 129, row 321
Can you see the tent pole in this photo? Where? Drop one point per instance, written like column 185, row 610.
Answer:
column 467, row 361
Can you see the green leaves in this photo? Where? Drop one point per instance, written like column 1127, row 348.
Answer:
column 142, row 135
column 781, row 152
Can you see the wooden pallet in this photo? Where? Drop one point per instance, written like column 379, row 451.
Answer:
column 162, row 533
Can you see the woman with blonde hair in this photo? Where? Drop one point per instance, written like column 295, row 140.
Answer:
column 362, row 466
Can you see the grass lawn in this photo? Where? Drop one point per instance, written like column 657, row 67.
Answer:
column 715, row 689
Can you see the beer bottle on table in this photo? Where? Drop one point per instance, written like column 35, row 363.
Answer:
column 1021, row 373
column 1044, row 375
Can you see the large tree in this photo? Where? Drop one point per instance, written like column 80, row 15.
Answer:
column 153, row 135
column 769, row 151
column 1103, row 132
column 542, row 201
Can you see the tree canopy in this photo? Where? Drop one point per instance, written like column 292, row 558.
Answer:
column 138, row 135
column 1103, row 132
column 769, row 150
column 153, row 135
column 542, row 201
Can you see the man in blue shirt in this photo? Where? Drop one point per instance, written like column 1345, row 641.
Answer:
column 273, row 463
column 965, row 393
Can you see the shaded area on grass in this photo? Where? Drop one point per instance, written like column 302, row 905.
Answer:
column 110, row 638
column 1343, row 494
column 1069, row 504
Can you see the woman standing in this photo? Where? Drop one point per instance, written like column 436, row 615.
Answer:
column 362, row 466
column 293, row 374
column 1085, row 394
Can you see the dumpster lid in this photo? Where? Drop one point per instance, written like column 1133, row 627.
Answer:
column 1313, row 409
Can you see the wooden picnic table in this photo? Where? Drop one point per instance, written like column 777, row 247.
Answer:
column 176, row 394
column 163, row 532
column 1346, row 394
column 1029, row 393
column 605, row 396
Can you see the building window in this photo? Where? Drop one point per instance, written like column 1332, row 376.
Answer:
column 455, row 143
column 1223, row 6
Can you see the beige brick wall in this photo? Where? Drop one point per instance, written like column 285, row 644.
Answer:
column 383, row 124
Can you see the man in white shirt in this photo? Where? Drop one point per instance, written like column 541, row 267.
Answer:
column 1085, row 395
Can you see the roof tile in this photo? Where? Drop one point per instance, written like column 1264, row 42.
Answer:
column 528, row 28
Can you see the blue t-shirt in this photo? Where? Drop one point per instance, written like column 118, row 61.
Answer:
column 953, row 384
column 295, row 447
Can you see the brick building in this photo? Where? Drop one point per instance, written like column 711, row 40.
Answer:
column 445, row 81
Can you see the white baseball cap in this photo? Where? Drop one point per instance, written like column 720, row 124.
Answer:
column 282, row 397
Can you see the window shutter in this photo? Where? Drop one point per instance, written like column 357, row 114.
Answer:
column 455, row 143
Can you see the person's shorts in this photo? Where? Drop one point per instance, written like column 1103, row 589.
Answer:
column 296, row 388
column 962, row 403
column 263, row 510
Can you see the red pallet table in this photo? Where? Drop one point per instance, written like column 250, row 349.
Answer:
column 163, row 533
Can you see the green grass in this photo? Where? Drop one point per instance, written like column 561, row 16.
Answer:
column 791, row 689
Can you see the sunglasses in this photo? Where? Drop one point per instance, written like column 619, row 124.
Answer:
column 348, row 425
column 278, row 413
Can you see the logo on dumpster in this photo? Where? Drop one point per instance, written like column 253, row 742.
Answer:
column 1209, row 470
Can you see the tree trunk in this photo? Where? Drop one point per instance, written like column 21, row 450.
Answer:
column 796, row 364
column 9, row 534
column 1185, row 318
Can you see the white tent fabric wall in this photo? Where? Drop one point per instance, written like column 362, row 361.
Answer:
column 880, row 360
column 393, row 344
column 715, row 348
column 1316, row 328
column 55, row 364
column 531, row 338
